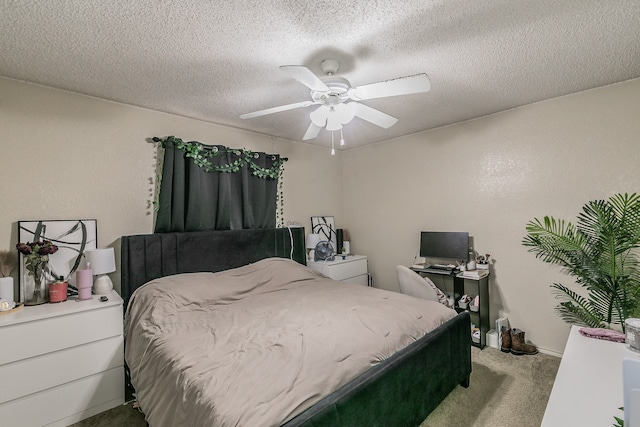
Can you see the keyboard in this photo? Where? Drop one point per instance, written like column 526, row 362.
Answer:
column 440, row 267
column 434, row 268
column 438, row 270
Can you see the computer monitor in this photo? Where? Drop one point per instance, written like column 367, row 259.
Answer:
column 444, row 244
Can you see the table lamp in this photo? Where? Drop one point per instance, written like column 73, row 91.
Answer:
column 312, row 241
column 102, row 261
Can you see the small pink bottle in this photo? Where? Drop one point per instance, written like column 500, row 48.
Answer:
column 84, row 282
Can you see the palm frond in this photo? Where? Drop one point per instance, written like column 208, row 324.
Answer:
column 627, row 208
column 554, row 241
column 576, row 308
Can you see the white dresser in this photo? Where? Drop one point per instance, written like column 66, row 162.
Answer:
column 61, row 363
column 352, row 269
column 588, row 387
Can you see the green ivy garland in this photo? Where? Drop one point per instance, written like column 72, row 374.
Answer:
column 280, row 202
column 202, row 154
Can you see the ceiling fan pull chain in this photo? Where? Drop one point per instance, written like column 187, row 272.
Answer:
column 333, row 147
column 341, row 137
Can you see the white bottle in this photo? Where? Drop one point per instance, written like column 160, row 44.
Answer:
column 471, row 264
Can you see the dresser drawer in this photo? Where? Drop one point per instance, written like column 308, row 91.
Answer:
column 60, row 367
column 64, row 405
column 363, row 280
column 345, row 270
column 59, row 332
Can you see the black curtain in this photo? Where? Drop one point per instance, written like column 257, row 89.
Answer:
column 216, row 188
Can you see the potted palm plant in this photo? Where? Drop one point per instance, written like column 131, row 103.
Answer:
column 601, row 252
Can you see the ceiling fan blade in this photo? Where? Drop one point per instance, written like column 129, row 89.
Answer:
column 277, row 109
column 312, row 132
column 374, row 116
column 400, row 86
column 305, row 76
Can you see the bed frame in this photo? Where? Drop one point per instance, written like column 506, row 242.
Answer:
column 401, row 391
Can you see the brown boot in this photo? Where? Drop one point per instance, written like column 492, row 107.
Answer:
column 518, row 344
column 505, row 340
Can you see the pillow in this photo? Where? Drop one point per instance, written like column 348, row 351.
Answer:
column 442, row 297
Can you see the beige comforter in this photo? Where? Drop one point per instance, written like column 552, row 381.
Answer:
column 256, row 345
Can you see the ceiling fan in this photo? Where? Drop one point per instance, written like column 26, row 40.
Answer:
column 339, row 101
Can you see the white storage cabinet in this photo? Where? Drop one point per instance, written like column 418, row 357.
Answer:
column 352, row 269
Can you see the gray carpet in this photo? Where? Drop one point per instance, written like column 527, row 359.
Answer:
column 505, row 390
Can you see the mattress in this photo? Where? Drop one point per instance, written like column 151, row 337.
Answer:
column 259, row 344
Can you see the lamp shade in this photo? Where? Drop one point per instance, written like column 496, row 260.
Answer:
column 312, row 240
column 102, row 261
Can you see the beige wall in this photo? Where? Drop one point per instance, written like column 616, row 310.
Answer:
column 490, row 176
column 67, row 156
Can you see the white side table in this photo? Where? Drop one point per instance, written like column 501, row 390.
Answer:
column 62, row 362
column 588, row 387
column 352, row 269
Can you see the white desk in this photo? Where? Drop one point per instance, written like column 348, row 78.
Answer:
column 588, row 387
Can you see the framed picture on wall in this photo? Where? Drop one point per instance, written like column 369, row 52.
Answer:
column 325, row 226
column 72, row 237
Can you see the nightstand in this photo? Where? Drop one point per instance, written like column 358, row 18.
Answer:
column 62, row 362
column 352, row 269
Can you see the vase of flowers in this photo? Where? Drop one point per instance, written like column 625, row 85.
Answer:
column 36, row 261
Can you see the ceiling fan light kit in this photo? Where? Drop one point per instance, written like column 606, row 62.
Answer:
column 339, row 102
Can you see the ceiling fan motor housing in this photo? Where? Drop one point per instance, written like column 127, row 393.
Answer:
column 338, row 91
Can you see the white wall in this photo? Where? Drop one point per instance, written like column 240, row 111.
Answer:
column 490, row 176
column 68, row 156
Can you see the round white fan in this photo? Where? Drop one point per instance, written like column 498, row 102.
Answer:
column 339, row 101
column 324, row 251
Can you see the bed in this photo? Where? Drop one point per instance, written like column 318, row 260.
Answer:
column 243, row 272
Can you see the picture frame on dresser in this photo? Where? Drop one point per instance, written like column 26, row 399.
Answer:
column 73, row 238
column 325, row 226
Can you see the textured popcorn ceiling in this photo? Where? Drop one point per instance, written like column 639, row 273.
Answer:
column 215, row 60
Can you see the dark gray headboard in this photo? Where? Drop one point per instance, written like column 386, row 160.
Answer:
column 149, row 256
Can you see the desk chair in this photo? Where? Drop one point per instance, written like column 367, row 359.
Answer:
column 411, row 283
